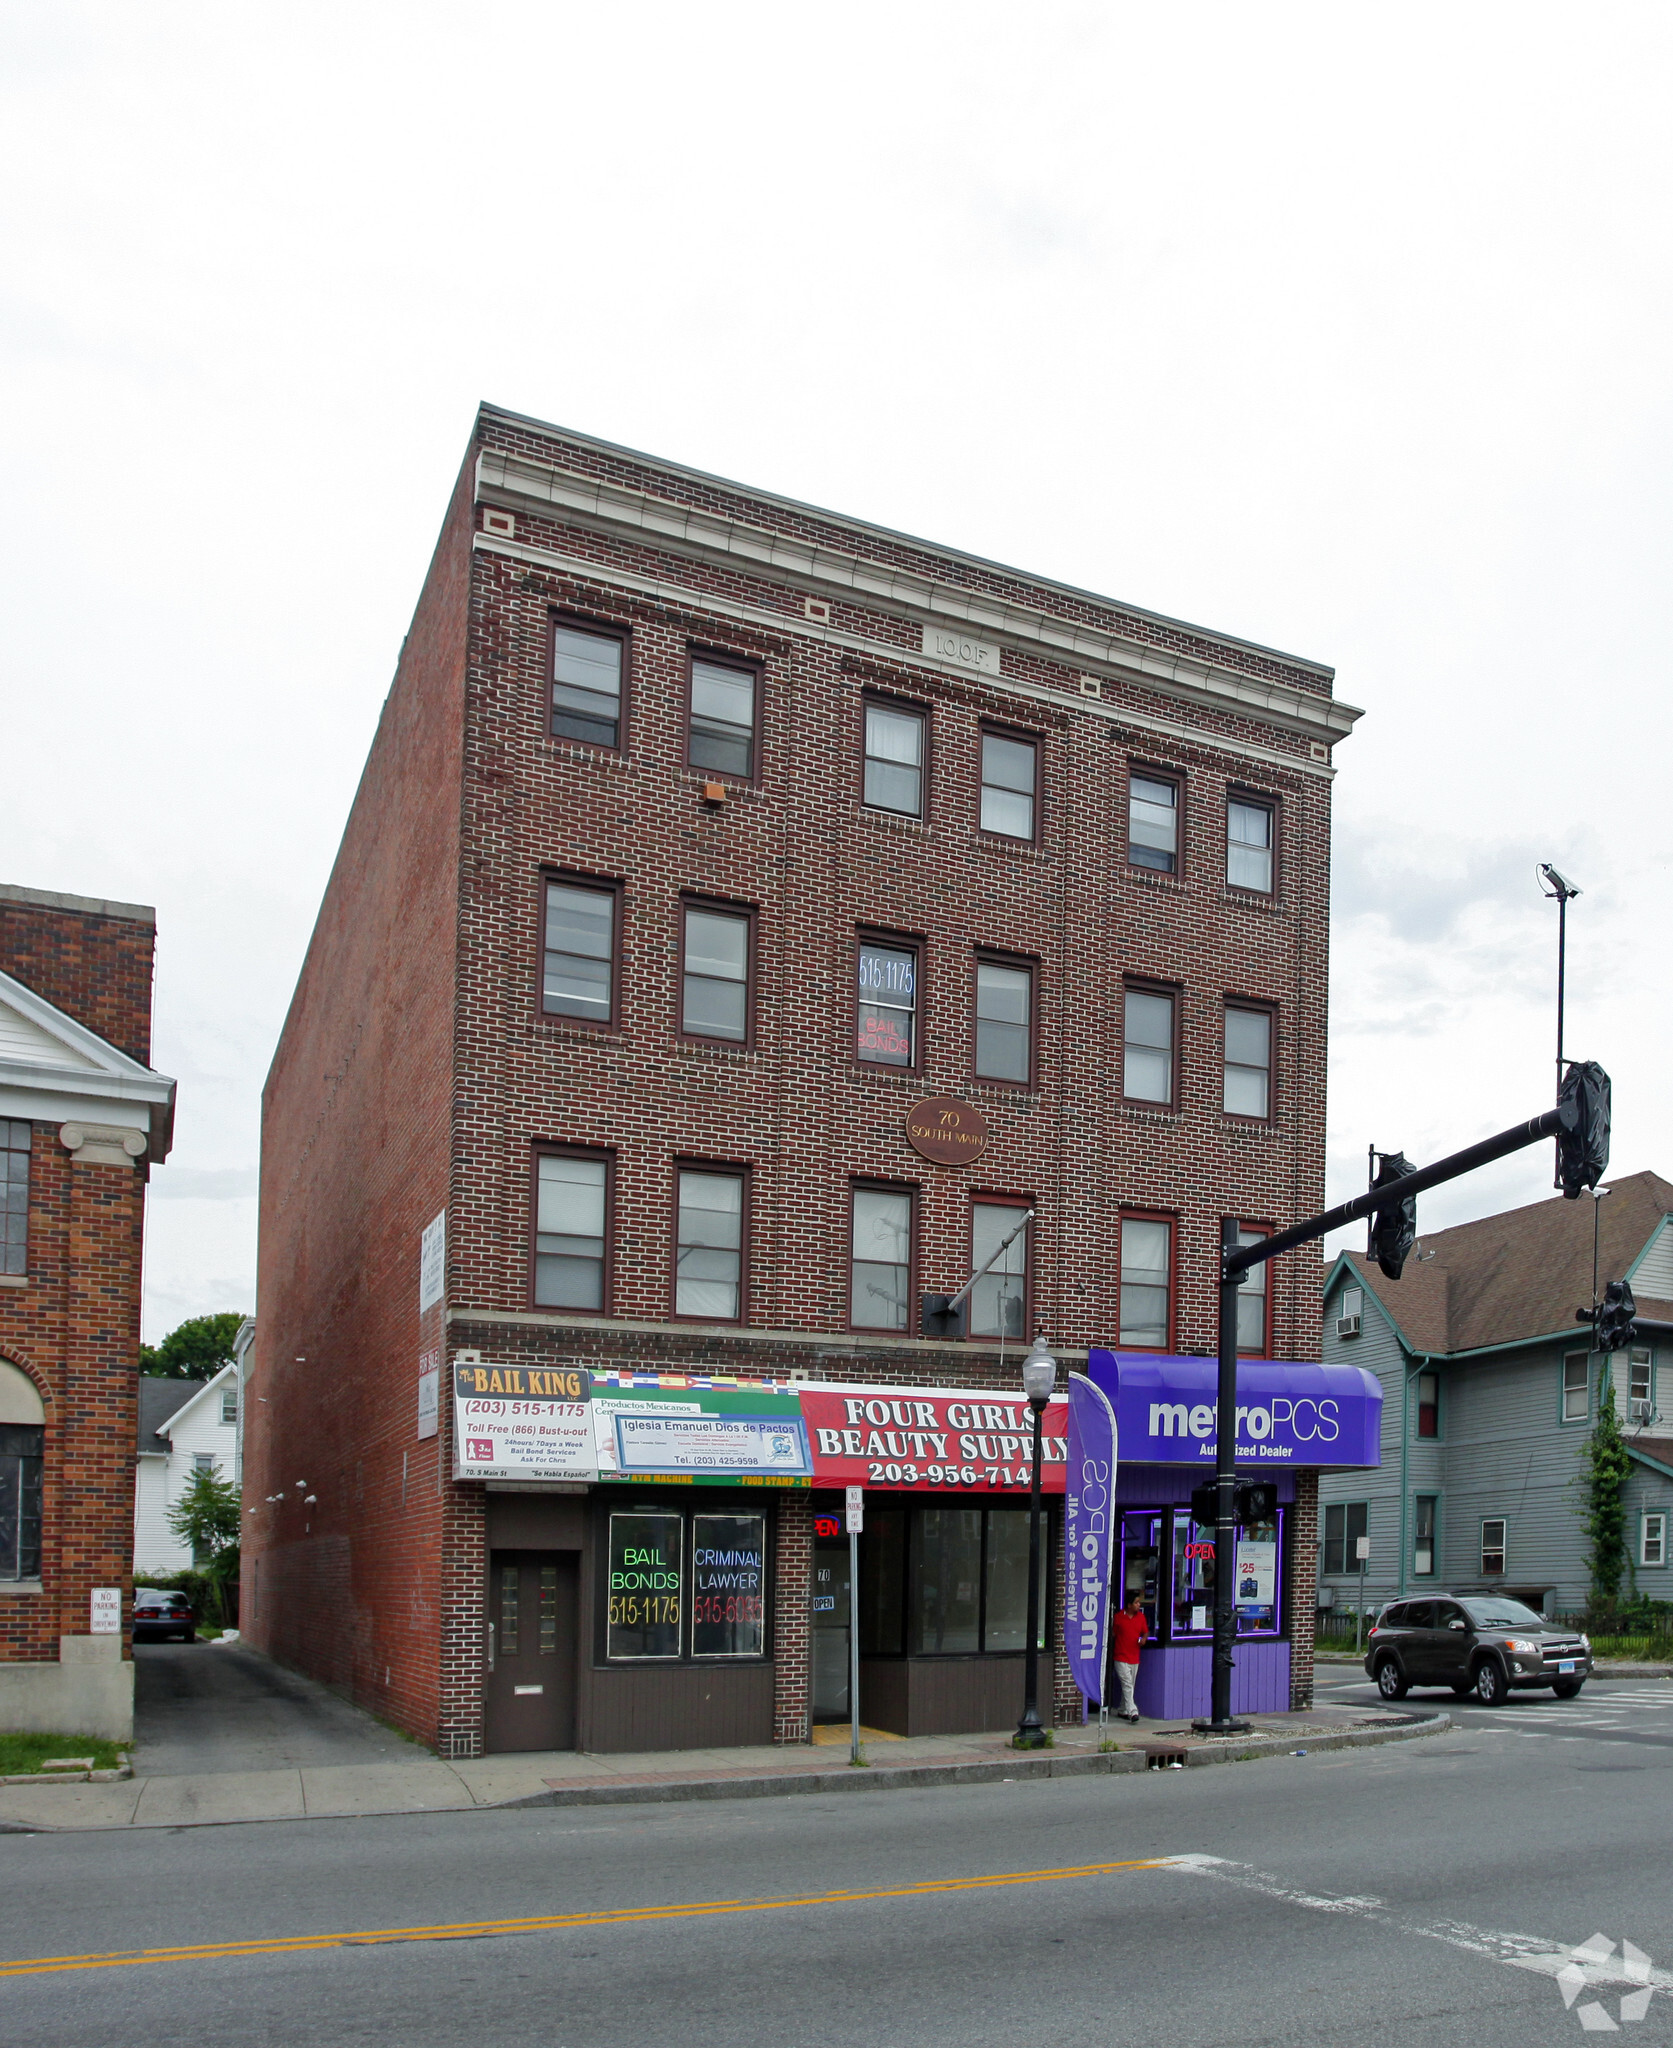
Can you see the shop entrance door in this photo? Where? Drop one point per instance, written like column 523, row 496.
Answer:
column 830, row 1631
column 532, row 1608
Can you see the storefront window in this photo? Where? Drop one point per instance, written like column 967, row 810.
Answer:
column 1006, row 1611
column 883, row 1583
column 1141, row 1556
column 647, row 1582
column 949, row 1581
column 728, row 1585
column 947, row 1612
column 1255, row 1558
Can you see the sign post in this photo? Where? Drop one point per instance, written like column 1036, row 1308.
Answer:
column 854, row 1520
column 1362, row 1550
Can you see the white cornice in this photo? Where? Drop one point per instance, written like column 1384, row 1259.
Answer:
column 518, row 483
column 105, row 1086
column 684, row 597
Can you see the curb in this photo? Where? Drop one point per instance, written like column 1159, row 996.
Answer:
column 109, row 1777
column 920, row 1777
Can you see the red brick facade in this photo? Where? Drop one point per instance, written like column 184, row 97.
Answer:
column 71, row 1322
column 417, row 1071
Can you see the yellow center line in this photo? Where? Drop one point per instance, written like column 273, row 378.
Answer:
column 545, row 1923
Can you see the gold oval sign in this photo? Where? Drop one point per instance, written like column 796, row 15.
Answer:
column 950, row 1132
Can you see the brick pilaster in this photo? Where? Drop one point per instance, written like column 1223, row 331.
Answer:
column 792, row 1639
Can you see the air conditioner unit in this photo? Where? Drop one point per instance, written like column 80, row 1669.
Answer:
column 1639, row 1411
column 1347, row 1326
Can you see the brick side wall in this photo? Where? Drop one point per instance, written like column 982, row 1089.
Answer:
column 355, row 1152
column 1302, row 1591
column 74, row 1327
column 793, row 1620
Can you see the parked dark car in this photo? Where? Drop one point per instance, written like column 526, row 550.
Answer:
column 1480, row 1645
column 157, row 1616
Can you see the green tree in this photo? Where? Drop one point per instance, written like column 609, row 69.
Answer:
column 193, row 1350
column 207, row 1517
column 1604, row 1468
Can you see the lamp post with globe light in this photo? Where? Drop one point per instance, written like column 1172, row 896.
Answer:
column 1039, row 1377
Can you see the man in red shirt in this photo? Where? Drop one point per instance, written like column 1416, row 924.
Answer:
column 1128, row 1631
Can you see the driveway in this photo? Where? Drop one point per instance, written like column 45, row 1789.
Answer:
column 201, row 1709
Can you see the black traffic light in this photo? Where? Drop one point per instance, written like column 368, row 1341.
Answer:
column 1583, row 1136
column 1615, row 1326
column 1205, row 1506
column 1257, row 1502
column 935, row 1319
column 1394, row 1229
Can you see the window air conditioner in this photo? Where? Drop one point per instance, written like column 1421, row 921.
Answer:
column 1347, row 1326
column 1638, row 1411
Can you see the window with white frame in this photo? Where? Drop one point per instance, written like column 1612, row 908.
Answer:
column 1652, row 1538
column 1492, row 1546
column 1423, row 1535
column 229, row 1404
column 1576, row 1386
column 14, row 1195
column 1639, row 1390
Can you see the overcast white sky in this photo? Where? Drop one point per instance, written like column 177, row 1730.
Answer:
column 1346, row 330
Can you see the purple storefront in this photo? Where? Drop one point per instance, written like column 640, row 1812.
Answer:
column 1291, row 1418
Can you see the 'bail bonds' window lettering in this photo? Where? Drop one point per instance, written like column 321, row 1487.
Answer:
column 647, row 1584
column 728, row 1585
column 888, row 1005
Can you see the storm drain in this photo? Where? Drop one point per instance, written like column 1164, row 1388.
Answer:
column 1159, row 1757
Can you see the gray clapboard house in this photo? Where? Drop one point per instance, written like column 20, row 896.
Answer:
column 1489, row 1392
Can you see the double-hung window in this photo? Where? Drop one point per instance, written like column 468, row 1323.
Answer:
column 1153, row 822
column 724, row 700
column 14, row 1194
column 1577, row 1389
column 1492, row 1546
column 1147, row 1019
column 1652, row 1539
column 579, row 975
column 894, row 759
column 1248, row 1073
column 1428, row 1404
column 1344, row 1524
column 714, row 973
column 1423, row 1535
column 587, row 670
column 1004, row 1022
column 21, row 1448
column 1252, row 1298
column 1145, row 1314
column 886, row 1032
column 1010, row 771
column 229, row 1404
column 880, row 1265
column 571, row 1226
column 1639, row 1404
column 999, row 1300
column 709, row 1245
column 1249, row 839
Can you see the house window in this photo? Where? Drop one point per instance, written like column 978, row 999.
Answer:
column 22, row 1445
column 1248, row 1083
column 723, row 711
column 1639, row 1403
column 880, row 1265
column 1009, row 770
column 1576, row 1386
column 999, row 1300
column 714, row 974
column 1492, row 1546
column 580, row 948
column 1248, row 844
column 1147, row 1022
column 1004, row 1022
column 1423, row 1536
column 1428, row 1404
column 1252, row 1298
column 709, row 1246
column 1652, row 1539
column 1146, row 1283
column 202, row 1461
column 14, row 1194
column 888, row 1004
column 894, row 760
column 1153, row 823
column 587, row 685
column 1345, row 1521
column 229, row 1404
column 571, row 1199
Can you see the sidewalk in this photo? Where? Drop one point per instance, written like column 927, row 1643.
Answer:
column 425, row 1784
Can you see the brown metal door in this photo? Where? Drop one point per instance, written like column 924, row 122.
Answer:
column 532, row 1603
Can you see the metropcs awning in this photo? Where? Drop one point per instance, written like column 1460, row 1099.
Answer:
column 1287, row 1415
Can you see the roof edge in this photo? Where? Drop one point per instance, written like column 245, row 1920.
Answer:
column 85, row 906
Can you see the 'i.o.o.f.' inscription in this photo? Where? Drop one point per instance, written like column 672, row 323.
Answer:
column 950, row 1132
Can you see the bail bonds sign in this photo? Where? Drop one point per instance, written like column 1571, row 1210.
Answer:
column 521, row 1421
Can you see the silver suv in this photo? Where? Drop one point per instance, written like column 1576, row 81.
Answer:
column 1480, row 1645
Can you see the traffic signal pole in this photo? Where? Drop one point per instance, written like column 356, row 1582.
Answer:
column 1568, row 1121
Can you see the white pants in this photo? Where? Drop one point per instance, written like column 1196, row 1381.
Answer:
column 1128, row 1675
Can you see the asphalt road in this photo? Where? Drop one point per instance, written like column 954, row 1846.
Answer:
column 1423, row 1893
column 198, row 1707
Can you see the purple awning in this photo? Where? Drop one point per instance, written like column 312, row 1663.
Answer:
column 1287, row 1415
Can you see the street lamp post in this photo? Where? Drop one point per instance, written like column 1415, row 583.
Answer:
column 1039, row 1376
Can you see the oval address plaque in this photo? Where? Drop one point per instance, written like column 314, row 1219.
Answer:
column 950, row 1132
